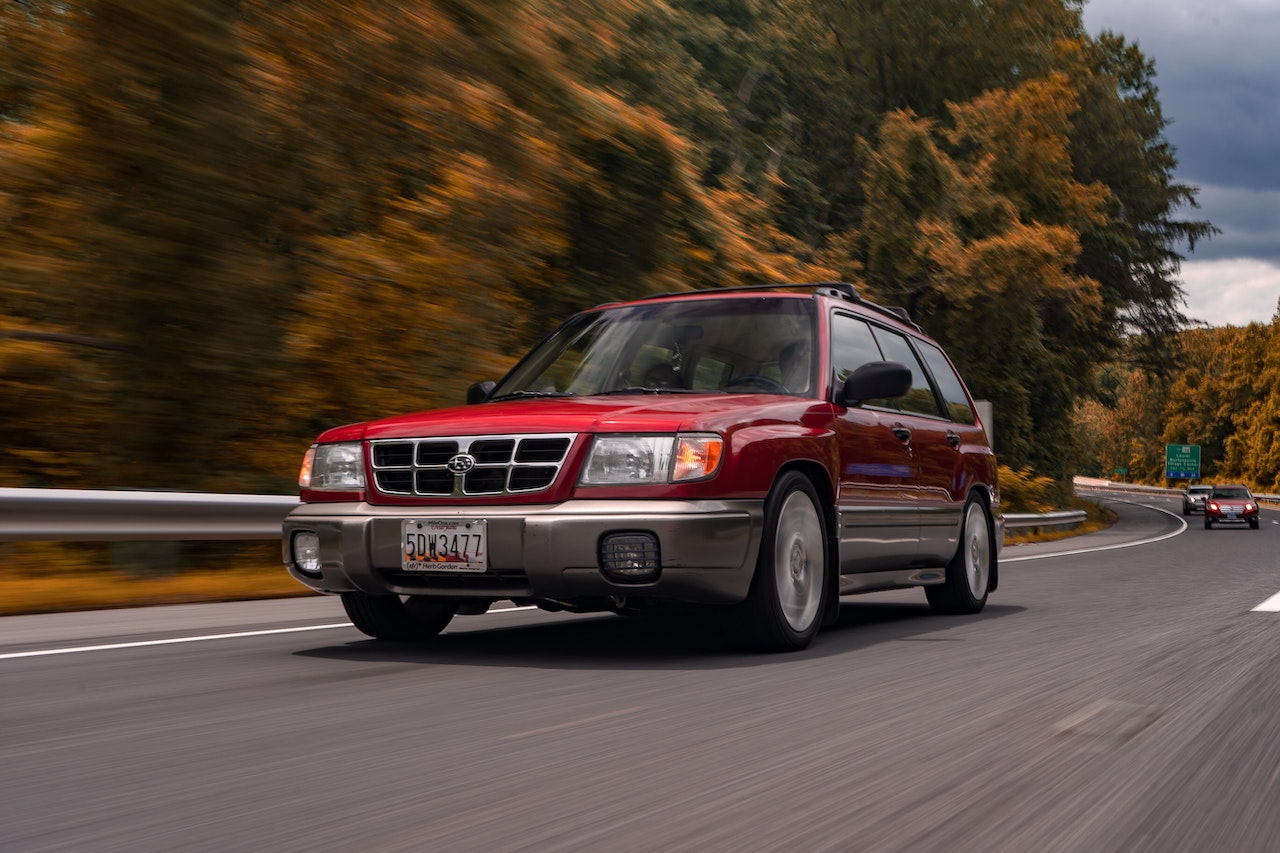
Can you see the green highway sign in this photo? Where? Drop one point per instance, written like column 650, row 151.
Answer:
column 1182, row 461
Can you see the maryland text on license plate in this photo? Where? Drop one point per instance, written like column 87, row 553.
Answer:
column 445, row 545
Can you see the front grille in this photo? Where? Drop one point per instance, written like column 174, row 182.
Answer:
column 499, row 464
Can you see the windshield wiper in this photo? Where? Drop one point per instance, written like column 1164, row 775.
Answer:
column 644, row 389
column 527, row 394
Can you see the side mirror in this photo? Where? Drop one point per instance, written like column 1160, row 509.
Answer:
column 480, row 391
column 876, row 380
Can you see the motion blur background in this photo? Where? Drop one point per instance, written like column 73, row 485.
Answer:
column 228, row 226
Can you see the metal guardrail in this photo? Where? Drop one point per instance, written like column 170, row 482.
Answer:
column 66, row 515
column 1034, row 522
column 1135, row 488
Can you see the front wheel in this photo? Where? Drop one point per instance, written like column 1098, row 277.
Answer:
column 390, row 617
column 969, row 572
column 783, row 610
column 1208, row 523
column 1253, row 522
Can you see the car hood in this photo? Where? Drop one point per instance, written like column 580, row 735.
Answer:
column 611, row 413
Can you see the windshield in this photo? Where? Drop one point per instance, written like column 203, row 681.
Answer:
column 743, row 345
column 1231, row 492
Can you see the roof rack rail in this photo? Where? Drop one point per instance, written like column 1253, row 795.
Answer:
column 834, row 288
column 839, row 289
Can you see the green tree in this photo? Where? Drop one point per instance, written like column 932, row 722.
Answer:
column 1135, row 254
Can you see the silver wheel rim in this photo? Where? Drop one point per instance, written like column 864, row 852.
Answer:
column 977, row 551
column 798, row 561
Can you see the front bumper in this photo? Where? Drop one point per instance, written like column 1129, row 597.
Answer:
column 1231, row 516
column 708, row 549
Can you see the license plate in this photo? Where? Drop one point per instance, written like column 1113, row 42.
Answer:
column 1231, row 515
column 445, row 545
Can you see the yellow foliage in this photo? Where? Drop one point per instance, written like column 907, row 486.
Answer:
column 1023, row 491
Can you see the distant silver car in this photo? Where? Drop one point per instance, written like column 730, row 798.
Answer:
column 1194, row 498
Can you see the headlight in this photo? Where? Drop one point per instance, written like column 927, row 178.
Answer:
column 617, row 460
column 333, row 467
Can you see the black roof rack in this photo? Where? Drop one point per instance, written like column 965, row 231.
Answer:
column 838, row 289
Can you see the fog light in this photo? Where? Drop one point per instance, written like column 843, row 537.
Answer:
column 630, row 557
column 306, row 552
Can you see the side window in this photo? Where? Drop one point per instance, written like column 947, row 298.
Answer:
column 852, row 345
column 920, row 399
column 958, row 407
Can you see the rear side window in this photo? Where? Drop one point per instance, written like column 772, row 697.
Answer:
column 920, row 399
column 949, row 384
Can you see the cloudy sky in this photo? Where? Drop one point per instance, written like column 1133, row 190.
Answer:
column 1218, row 71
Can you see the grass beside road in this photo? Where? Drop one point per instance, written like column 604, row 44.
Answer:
column 101, row 590
column 54, row 577
column 1097, row 517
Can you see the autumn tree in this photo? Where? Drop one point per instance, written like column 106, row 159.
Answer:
column 1249, row 399
column 1223, row 399
column 232, row 225
column 972, row 227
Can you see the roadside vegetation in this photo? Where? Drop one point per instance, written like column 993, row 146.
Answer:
column 53, row 577
column 1224, row 397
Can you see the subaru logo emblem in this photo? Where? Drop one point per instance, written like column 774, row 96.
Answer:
column 461, row 464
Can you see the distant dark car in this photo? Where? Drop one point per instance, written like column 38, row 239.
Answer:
column 1194, row 498
column 1231, row 505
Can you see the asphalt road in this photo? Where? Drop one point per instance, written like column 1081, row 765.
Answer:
column 1119, row 693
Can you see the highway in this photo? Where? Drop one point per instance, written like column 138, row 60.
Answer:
column 1121, row 692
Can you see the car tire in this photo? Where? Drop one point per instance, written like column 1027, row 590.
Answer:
column 970, row 570
column 1253, row 522
column 1208, row 523
column 389, row 617
column 1186, row 510
column 784, row 608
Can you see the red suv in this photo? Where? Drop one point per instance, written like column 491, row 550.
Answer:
column 762, row 450
column 1231, row 505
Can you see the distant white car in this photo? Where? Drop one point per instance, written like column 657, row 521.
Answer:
column 1194, row 498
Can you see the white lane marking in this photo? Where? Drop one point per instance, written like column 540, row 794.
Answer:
column 168, row 641
column 1046, row 555
column 1271, row 605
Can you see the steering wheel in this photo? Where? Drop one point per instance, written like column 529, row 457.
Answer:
column 755, row 380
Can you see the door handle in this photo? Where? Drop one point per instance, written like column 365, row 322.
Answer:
column 902, row 433
column 953, row 440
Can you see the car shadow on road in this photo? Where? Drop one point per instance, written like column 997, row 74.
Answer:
column 681, row 641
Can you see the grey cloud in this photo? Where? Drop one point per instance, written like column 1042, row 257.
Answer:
column 1217, row 69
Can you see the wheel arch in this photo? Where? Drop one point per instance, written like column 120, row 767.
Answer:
column 984, row 494
column 820, row 477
